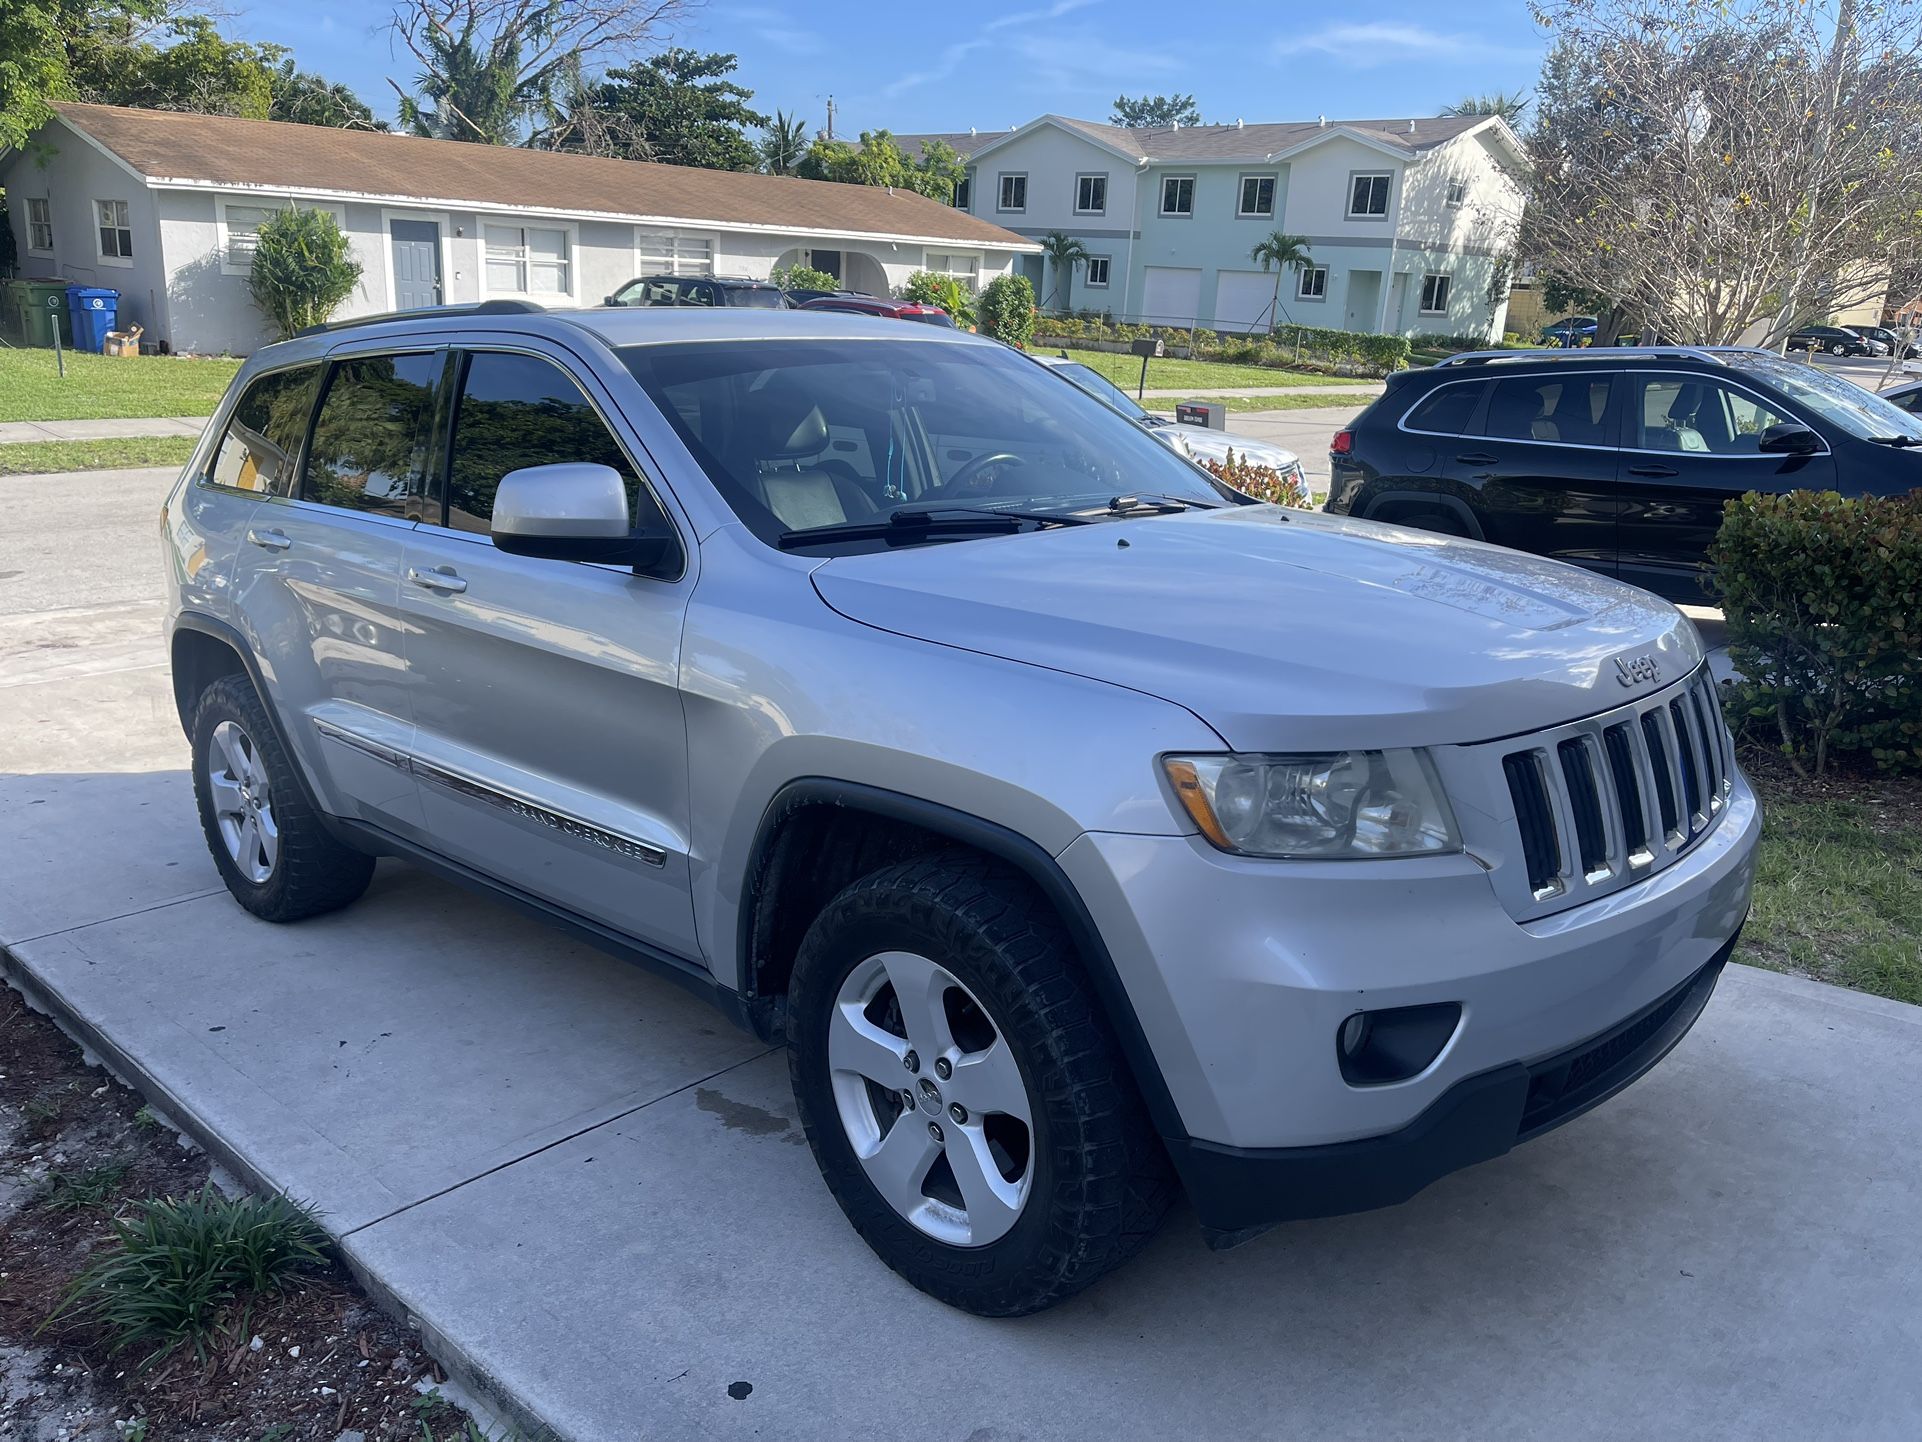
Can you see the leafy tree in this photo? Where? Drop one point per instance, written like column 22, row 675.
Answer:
column 119, row 61
column 783, row 142
column 803, row 277
column 303, row 269
column 1282, row 253
column 9, row 257
column 1154, row 112
column 33, row 60
column 1007, row 310
column 488, row 67
column 1063, row 253
column 304, row 98
column 1509, row 107
column 877, row 160
column 678, row 108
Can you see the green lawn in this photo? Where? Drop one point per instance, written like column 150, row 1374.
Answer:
column 108, row 387
column 1167, row 404
column 1170, row 373
column 1838, row 888
column 33, row 458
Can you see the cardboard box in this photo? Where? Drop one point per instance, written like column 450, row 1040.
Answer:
column 123, row 342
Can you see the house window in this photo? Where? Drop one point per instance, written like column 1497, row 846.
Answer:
column 1097, row 274
column 1257, row 195
column 116, row 232
column 964, row 192
column 1091, row 195
column 1177, row 195
column 40, row 225
column 1312, row 283
column 964, row 268
column 528, row 260
column 1457, row 194
column 1434, row 295
column 663, row 252
column 243, row 224
column 1014, row 192
column 1368, row 195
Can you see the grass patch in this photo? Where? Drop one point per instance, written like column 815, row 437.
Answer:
column 37, row 458
column 86, row 1188
column 109, row 387
column 181, row 1272
column 1838, row 894
column 1171, row 373
column 1166, row 404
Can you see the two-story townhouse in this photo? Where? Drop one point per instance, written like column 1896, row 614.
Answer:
column 1409, row 222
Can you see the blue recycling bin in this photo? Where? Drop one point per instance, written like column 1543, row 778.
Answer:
column 93, row 312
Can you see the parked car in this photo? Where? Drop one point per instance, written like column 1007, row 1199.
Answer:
column 1906, row 397
column 699, row 290
column 1571, row 330
column 800, row 296
column 1832, row 339
column 1618, row 460
column 883, row 306
column 1195, row 442
column 935, row 721
column 1888, row 340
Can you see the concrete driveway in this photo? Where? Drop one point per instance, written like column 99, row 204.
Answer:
column 593, row 1196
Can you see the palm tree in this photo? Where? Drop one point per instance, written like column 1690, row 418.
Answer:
column 1280, row 252
column 1064, row 253
column 1509, row 107
column 783, row 144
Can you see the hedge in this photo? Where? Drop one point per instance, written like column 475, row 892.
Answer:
column 1289, row 346
column 1823, row 598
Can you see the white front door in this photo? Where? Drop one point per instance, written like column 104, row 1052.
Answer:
column 1170, row 296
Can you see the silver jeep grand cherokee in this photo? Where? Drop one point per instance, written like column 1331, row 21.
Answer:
column 1084, row 829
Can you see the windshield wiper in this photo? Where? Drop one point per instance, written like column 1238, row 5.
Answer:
column 926, row 524
column 1156, row 505
column 1897, row 442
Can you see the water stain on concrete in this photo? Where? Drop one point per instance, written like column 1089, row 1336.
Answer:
column 740, row 1116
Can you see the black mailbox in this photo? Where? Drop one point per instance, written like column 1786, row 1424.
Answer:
column 1148, row 349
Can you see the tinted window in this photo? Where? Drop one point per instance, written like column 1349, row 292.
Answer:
column 265, row 431
column 756, row 297
column 1682, row 413
column 520, row 410
column 1571, row 409
column 369, row 451
column 1445, row 411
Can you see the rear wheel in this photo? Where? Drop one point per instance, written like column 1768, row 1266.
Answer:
column 1836, row 347
column 964, row 1100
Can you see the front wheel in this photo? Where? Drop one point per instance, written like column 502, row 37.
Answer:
column 964, row 1099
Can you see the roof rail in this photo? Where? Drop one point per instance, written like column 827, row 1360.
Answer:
column 427, row 312
column 1593, row 352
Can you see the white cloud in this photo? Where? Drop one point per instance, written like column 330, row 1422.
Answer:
column 1382, row 42
column 777, row 28
column 952, row 58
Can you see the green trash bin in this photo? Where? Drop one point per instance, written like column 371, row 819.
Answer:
column 38, row 304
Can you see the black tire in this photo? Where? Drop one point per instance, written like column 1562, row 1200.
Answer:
column 1100, row 1180
column 312, row 872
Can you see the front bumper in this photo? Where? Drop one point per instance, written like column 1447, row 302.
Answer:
column 1237, row 1191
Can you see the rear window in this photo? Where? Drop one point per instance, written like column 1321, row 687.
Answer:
column 757, row 297
column 1446, row 410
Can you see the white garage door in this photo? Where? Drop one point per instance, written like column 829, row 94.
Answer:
column 1170, row 296
column 1244, row 299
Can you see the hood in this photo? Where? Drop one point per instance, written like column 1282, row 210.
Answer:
column 1286, row 630
column 1215, row 445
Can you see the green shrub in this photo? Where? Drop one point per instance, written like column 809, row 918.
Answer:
column 179, row 1269
column 1006, row 311
column 803, row 277
column 1290, row 346
column 303, row 269
column 924, row 287
column 1823, row 596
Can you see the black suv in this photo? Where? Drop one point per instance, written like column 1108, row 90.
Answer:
column 1619, row 460
column 702, row 290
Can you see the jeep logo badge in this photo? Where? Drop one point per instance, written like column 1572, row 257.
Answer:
column 1634, row 670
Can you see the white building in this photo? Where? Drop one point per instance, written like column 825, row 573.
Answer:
column 163, row 207
column 1408, row 221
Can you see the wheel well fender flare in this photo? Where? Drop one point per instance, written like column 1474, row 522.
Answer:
column 1426, row 500
column 977, row 833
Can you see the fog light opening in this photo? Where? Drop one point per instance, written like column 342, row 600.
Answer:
column 1377, row 1048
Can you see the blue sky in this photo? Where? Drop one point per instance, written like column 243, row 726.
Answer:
column 914, row 67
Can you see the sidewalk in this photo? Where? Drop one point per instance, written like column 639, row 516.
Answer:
column 14, row 432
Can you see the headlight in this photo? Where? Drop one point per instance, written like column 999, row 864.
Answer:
column 1342, row 804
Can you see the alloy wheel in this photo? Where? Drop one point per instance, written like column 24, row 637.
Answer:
column 931, row 1099
column 243, row 802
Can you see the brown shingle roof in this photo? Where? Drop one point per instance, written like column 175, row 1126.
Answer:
column 169, row 145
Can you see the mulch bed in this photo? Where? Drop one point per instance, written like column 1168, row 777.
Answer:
column 327, row 1361
column 1893, row 802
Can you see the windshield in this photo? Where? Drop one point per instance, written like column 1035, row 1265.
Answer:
column 807, row 434
column 756, row 297
column 1862, row 414
column 1101, row 388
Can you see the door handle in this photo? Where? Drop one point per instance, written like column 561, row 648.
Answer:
column 1476, row 458
column 269, row 540
column 440, row 578
column 1653, row 471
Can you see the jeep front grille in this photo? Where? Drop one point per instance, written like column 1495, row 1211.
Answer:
column 1599, row 804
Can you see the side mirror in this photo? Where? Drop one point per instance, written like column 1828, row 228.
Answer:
column 609, row 300
column 571, row 512
column 1785, row 438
